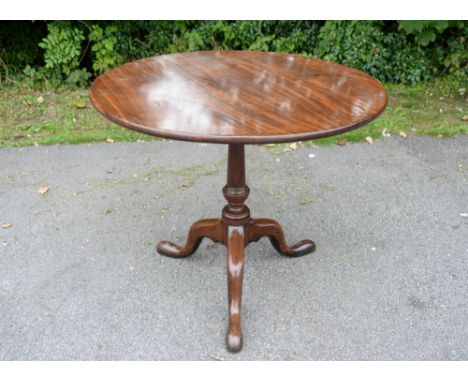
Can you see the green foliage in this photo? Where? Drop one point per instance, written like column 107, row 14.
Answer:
column 104, row 44
column 33, row 76
column 365, row 46
column 455, row 56
column 62, row 48
column 78, row 78
column 62, row 56
column 409, row 64
column 279, row 36
column 241, row 35
column 66, row 53
column 445, row 41
column 353, row 43
column 424, row 30
column 218, row 35
column 292, row 43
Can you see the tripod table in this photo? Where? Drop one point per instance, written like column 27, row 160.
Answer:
column 237, row 98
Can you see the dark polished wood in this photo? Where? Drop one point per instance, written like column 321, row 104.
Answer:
column 211, row 228
column 238, row 97
column 272, row 229
column 235, row 230
column 235, row 274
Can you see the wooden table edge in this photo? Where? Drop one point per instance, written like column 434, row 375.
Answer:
column 245, row 139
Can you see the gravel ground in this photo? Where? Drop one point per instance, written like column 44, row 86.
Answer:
column 80, row 278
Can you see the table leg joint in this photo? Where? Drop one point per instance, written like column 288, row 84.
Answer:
column 210, row 228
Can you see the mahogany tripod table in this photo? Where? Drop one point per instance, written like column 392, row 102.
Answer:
column 237, row 98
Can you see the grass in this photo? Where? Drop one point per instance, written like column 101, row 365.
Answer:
column 434, row 109
column 33, row 117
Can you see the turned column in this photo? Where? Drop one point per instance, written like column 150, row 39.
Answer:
column 236, row 191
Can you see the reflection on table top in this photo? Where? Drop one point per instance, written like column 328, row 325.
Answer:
column 238, row 97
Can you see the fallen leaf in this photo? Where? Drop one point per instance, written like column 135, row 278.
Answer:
column 341, row 143
column 293, row 146
column 110, row 171
column 277, row 159
column 79, row 103
column 385, row 133
column 403, row 134
column 156, row 197
column 465, row 118
column 109, row 140
column 6, row 225
column 40, row 99
column 280, row 328
column 186, row 185
column 43, row 190
column 217, row 357
column 440, row 136
column 369, row 140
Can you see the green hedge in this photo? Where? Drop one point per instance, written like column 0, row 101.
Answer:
column 71, row 53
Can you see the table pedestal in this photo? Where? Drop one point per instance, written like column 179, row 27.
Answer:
column 235, row 229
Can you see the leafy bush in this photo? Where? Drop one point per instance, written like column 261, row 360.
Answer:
column 104, row 48
column 62, row 56
column 365, row 46
column 424, row 30
column 220, row 35
column 62, row 48
column 66, row 53
column 278, row 36
column 445, row 41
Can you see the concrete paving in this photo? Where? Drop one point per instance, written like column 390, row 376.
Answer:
column 80, row 279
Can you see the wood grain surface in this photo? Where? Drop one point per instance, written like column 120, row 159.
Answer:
column 238, row 97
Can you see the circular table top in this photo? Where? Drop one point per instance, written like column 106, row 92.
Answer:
column 238, row 97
